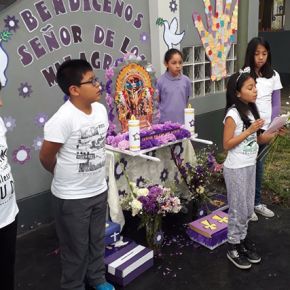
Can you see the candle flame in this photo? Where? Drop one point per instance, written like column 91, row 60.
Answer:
column 189, row 106
column 133, row 117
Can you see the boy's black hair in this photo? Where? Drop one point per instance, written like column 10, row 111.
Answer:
column 71, row 72
column 234, row 85
column 169, row 53
column 266, row 70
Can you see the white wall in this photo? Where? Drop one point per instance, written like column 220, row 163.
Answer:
column 253, row 19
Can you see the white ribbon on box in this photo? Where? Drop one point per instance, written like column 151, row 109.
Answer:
column 112, row 267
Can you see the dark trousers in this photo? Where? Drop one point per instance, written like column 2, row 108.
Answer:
column 7, row 255
column 80, row 226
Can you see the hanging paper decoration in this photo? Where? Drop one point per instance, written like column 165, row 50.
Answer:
column 219, row 34
column 21, row 155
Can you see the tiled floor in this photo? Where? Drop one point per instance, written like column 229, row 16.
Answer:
column 182, row 267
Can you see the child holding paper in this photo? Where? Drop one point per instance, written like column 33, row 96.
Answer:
column 242, row 132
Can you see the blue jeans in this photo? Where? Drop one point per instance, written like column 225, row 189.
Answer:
column 259, row 174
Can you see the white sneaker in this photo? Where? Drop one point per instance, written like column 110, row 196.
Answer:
column 254, row 217
column 263, row 210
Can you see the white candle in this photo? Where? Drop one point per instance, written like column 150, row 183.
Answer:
column 189, row 121
column 134, row 134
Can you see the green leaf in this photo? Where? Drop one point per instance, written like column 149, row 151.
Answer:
column 5, row 36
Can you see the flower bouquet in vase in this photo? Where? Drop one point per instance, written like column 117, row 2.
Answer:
column 151, row 203
column 198, row 180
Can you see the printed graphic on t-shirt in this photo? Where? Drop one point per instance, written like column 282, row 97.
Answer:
column 3, row 155
column 249, row 145
column 90, row 148
column 6, row 181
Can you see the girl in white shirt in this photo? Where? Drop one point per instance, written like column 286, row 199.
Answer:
column 242, row 126
column 258, row 58
column 8, row 213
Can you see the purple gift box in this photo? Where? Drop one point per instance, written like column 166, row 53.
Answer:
column 217, row 202
column 209, row 231
column 128, row 263
column 112, row 233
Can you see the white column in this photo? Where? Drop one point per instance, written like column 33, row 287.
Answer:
column 160, row 8
column 253, row 19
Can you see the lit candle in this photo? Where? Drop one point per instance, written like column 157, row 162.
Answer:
column 189, row 121
column 134, row 134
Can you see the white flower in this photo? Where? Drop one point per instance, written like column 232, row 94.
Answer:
column 200, row 189
column 176, row 205
column 136, row 206
column 142, row 192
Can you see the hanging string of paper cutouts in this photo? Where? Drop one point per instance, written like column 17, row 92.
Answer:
column 219, row 34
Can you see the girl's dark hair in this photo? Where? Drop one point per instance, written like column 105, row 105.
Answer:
column 0, row 86
column 235, row 85
column 169, row 53
column 266, row 70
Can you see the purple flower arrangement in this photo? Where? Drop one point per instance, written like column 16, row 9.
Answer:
column 198, row 178
column 151, row 203
column 156, row 135
column 110, row 101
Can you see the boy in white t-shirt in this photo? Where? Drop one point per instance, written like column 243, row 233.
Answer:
column 8, row 214
column 74, row 152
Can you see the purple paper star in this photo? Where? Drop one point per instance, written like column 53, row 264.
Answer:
column 173, row 6
column 40, row 119
column 144, row 37
column 140, row 181
column 25, row 90
column 10, row 123
column 11, row 23
column 37, row 143
column 164, row 175
column 158, row 238
column 21, row 155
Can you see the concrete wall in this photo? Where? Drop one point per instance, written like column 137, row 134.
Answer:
column 29, row 67
column 31, row 91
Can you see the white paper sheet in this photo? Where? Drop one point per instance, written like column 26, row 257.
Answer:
column 278, row 123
